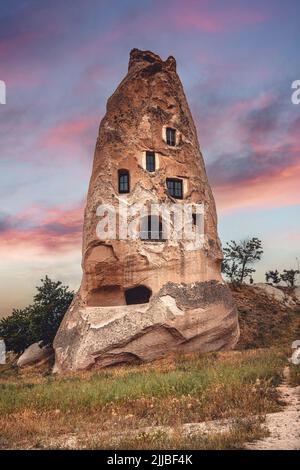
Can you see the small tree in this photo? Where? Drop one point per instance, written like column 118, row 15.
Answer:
column 39, row 321
column 15, row 331
column 50, row 304
column 274, row 276
column 239, row 257
column 289, row 276
column 230, row 269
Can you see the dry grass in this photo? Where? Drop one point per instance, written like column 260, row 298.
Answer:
column 240, row 431
column 294, row 377
column 36, row 410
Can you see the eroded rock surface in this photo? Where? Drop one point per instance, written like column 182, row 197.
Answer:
column 190, row 307
column 275, row 293
column 180, row 317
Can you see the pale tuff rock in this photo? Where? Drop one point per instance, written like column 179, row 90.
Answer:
column 181, row 302
column 271, row 291
column 297, row 294
column 35, row 354
column 275, row 293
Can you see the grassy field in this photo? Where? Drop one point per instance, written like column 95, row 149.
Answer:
column 114, row 408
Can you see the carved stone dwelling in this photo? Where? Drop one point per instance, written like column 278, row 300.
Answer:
column 141, row 298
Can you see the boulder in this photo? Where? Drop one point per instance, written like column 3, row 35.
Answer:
column 276, row 294
column 35, row 354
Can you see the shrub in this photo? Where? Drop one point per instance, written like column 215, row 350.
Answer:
column 274, row 276
column 289, row 276
column 39, row 321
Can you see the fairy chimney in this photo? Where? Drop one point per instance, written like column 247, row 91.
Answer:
column 151, row 284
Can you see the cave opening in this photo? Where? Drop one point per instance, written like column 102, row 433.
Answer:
column 137, row 295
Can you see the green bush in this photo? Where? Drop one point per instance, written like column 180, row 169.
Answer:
column 39, row 321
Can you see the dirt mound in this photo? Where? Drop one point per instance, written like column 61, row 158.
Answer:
column 264, row 322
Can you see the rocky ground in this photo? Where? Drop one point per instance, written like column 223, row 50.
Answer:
column 267, row 316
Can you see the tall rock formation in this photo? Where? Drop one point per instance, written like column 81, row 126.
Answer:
column 142, row 298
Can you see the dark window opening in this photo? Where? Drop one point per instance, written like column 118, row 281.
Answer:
column 150, row 161
column 171, row 136
column 123, row 181
column 194, row 215
column 137, row 295
column 151, row 228
column 175, row 188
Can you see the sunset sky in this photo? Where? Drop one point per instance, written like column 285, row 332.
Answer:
column 61, row 60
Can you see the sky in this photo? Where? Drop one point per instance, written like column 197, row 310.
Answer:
column 61, row 60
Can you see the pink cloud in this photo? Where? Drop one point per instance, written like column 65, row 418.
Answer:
column 70, row 135
column 25, row 77
column 201, row 16
column 10, row 45
column 225, row 123
column 265, row 191
column 189, row 15
column 58, row 230
column 258, row 165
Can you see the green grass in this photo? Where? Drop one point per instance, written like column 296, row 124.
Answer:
column 43, row 411
column 196, row 378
